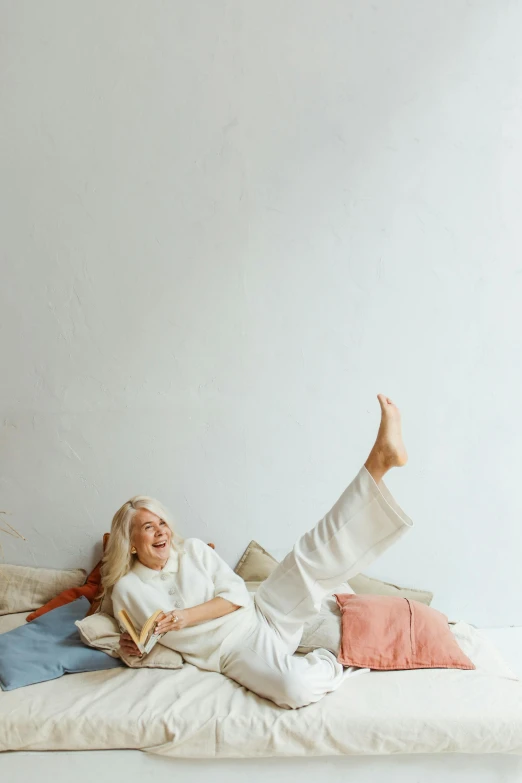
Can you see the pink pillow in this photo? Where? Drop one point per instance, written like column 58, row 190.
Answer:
column 387, row 632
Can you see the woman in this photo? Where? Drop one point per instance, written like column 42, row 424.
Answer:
column 209, row 616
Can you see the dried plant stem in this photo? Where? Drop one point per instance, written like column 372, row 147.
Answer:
column 11, row 532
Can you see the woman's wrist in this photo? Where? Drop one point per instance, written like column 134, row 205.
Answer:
column 189, row 615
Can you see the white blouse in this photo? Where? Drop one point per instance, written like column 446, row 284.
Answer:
column 191, row 576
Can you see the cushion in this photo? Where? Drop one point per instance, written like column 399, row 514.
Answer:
column 256, row 564
column 367, row 585
column 390, row 633
column 24, row 588
column 47, row 648
column 102, row 632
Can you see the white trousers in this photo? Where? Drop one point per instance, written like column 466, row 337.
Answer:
column 363, row 523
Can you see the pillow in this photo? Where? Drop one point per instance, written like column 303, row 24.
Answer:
column 366, row 585
column 390, row 633
column 256, row 564
column 47, row 648
column 24, row 588
column 102, row 632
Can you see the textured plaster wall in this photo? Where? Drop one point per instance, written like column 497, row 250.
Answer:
column 227, row 226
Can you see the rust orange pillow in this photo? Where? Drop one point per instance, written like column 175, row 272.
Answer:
column 385, row 633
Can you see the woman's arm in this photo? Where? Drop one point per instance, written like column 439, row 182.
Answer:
column 202, row 613
column 216, row 607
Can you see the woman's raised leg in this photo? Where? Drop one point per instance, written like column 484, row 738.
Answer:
column 363, row 523
column 388, row 450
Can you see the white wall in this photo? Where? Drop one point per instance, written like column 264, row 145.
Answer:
column 230, row 224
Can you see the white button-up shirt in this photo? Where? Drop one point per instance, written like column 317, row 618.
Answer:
column 190, row 577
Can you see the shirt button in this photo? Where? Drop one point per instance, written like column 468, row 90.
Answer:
column 164, row 576
column 171, row 591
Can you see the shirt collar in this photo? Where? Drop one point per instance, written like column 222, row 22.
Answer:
column 147, row 574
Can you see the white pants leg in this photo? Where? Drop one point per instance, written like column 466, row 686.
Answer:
column 262, row 663
column 363, row 523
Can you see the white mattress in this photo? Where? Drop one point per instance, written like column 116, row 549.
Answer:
column 191, row 714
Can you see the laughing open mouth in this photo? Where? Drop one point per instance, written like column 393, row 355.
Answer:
column 162, row 545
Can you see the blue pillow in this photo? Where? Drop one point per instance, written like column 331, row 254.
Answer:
column 48, row 647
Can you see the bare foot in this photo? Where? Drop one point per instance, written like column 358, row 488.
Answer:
column 389, row 450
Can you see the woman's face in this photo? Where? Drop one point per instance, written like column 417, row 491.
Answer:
column 151, row 537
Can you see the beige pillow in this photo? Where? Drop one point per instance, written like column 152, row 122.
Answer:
column 25, row 588
column 102, row 632
column 256, row 564
column 362, row 584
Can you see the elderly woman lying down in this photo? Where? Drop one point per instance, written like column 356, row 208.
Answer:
column 211, row 619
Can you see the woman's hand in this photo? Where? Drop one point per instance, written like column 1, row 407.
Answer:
column 128, row 646
column 172, row 621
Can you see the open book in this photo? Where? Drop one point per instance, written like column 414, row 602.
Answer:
column 146, row 638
